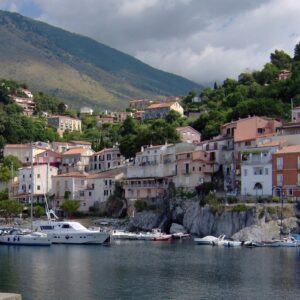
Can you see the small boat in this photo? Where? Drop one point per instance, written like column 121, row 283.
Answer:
column 252, row 244
column 180, row 235
column 229, row 243
column 288, row 242
column 163, row 237
column 18, row 237
column 275, row 243
column 207, row 240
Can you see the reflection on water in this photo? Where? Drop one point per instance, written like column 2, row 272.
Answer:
column 149, row 270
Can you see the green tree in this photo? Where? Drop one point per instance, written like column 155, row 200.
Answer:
column 281, row 60
column 70, row 207
column 297, row 52
column 10, row 208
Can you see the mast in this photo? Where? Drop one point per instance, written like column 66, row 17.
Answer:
column 31, row 190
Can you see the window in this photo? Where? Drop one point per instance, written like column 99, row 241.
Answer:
column 81, row 193
column 188, row 155
column 38, row 175
column 248, row 143
column 93, row 186
column 66, row 184
column 105, row 182
column 66, row 226
column 108, row 156
column 279, row 179
column 266, row 171
column 290, row 192
column 260, row 130
column 108, row 165
column 90, row 194
column 38, row 187
column 279, row 163
column 187, row 168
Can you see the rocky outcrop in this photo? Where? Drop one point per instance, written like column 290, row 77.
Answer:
column 177, row 228
column 203, row 221
column 147, row 220
column 266, row 231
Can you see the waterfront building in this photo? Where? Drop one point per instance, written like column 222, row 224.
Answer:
column 63, row 123
column 160, row 110
column 286, row 172
column 100, row 186
column 76, row 159
column 188, row 134
column 106, row 159
column 36, row 180
column 70, row 186
column 256, row 169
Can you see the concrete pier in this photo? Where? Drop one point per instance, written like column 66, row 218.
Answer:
column 8, row 296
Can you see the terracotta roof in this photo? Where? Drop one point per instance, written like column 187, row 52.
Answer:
column 60, row 116
column 161, row 105
column 72, row 174
column 289, row 149
column 107, row 174
column 184, row 128
column 74, row 151
column 105, row 150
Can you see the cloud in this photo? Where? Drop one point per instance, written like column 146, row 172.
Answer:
column 202, row 40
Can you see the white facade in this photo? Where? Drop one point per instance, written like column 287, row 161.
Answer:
column 42, row 183
column 86, row 110
column 256, row 171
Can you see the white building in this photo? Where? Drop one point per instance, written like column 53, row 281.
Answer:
column 256, row 170
column 86, row 111
column 39, row 178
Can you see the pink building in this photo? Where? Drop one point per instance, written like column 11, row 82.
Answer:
column 48, row 157
column 188, row 134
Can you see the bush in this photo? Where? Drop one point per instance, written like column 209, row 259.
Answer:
column 140, row 205
column 272, row 210
column 275, row 199
column 232, row 200
column 239, row 208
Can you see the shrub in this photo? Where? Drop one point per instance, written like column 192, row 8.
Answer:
column 239, row 208
column 275, row 199
column 272, row 210
column 140, row 205
column 232, row 200
column 290, row 200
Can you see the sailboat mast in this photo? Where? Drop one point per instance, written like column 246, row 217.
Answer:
column 31, row 190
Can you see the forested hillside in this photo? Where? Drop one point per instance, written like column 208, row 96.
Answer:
column 259, row 93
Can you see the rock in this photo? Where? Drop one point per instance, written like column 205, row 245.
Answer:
column 176, row 228
column 202, row 221
column 147, row 220
column 266, row 231
column 177, row 214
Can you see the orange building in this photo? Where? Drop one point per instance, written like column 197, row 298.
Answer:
column 286, row 172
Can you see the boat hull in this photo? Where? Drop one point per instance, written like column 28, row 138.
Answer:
column 94, row 238
column 19, row 240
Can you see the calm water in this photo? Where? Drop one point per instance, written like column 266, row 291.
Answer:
column 150, row 270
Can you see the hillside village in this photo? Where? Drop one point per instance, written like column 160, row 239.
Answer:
column 250, row 157
column 221, row 141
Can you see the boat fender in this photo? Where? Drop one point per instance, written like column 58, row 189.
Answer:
column 67, row 237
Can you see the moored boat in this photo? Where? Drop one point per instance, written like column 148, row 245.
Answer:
column 18, row 237
column 207, row 240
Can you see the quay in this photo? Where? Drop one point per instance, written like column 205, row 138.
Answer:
column 9, row 296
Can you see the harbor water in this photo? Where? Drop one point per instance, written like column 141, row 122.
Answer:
column 149, row 270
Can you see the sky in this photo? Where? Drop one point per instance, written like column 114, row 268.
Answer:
column 203, row 40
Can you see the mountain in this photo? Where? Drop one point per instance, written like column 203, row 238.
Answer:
column 78, row 69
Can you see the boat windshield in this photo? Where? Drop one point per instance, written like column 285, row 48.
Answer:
column 77, row 226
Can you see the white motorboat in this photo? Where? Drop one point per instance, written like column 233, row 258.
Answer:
column 18, row 237
column 207, row 240
column 70, row 232
column 232, row 243
column 288, row 242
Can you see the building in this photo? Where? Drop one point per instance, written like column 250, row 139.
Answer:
column 71, row 186
column 76, row 160
column 153, row 170
column 26, row 101
column 101, row 185
column 23, row 152
column 160, row 110
column 105, row 119
column 63, row 123
column 284, row 74
column 188, row 134
column 286, row 172
column 40, row 178
column 48, row 157
column 139, row 115
column 256, row 169
column 86, row 111
column 106, row 159
column 80, row 144
column 139, row 104
column 193, row 168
